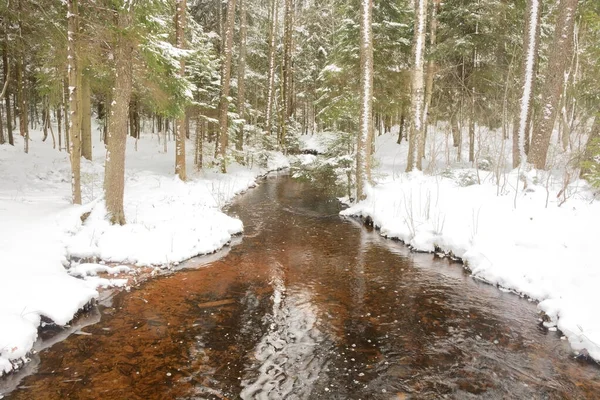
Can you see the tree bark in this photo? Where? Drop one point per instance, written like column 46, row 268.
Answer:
column 45, row 117
column 6, row 73
column 271, row 87
column 417, row 86
column 401, row 128
column 560, row 56
column 2, row 139
column 59, row 124
column 592, row 143
column 239, row 144
column 199, row 141
column 225, row 85
column 21, row 85
column 65, row 103
column 365, row 135
column 530, row 47
column 86, row 119
column 286, row 84
column 180, row 168
column 472, row 127
column 430, row 75
column 114, row 167
column 74, row 79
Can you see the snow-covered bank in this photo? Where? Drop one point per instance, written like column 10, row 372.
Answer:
column 521, row 240
column 40, row 231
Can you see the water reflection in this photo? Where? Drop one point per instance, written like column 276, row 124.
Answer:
column 312, row 306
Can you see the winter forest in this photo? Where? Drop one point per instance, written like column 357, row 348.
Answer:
column 138, row 135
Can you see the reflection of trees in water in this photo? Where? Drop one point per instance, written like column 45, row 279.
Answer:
column 289, row 357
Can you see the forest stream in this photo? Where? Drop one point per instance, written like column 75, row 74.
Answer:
column 307, row 305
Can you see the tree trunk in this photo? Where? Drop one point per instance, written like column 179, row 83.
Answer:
column 286, row 84
column 74, row 79
column 401, row 128
column 59, row 123
column 86, row 119
column 179, row 133
column 225, row 85
column 560, row 56
column 6, row 73
column 21, row 85
column 22, row 103
column 48, row 124
column 114, row 176
column 592, row 144
column 430, row 75
column 2, row 139
column 530, row 46
column 199, row 141
column 103, row 116
column 65, row 103
column 45, row 118
column 272, row 48
column 365, row 135
column 472, row 128
column 239, row 144
column 417, row 86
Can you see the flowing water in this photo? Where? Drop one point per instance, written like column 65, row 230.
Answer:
column 308, row 306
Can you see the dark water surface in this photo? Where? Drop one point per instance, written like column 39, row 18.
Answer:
column 310, row 306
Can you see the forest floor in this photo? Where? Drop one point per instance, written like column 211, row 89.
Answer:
column 539, row 241
column 42, row 233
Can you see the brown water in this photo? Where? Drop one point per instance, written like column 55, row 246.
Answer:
column 309, row 306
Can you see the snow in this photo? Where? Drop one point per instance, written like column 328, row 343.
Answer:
column 45, row 246
column 332, row 68
column 524, row 241
column 318, row 143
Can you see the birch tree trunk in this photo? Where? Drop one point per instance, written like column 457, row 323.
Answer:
column 560, row 56
column 179, row 124
column 271, row 88
column 114, row 167
column 530, row 46
column 365, row 135
column 417, row 86
column 74, row 82
column 225, row 85
column 241, row 105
